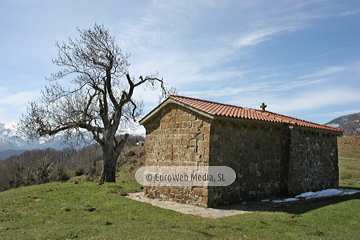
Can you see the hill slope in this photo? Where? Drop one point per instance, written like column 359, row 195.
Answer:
column 350, row 123
column 91, row 211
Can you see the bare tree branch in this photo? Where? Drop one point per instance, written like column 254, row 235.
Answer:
column 99, row 101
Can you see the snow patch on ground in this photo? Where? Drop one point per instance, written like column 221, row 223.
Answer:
column 286, row 200
column 318, row 194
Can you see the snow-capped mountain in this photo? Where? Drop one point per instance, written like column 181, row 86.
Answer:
column 9, row 138
column 349, row 123
column 11, row 142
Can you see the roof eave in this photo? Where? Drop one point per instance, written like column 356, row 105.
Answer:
column 275, row 123
column 168, row 101
column 338, row 132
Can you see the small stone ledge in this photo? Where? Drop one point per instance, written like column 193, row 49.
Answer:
column 185, row 208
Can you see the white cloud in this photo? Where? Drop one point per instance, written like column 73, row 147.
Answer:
column 179, row 68
column 315, row 100
column 347, row 13
column 13, row 105
column 254, row 89
column 282, row 97
column 335, row 51
column 326, row 72
column 258, row 36
column 336, row 114
column 270, row 75
column 267, row 28
column 297, row 102
column 355, row 68
column 149, row 97
column 20, row 98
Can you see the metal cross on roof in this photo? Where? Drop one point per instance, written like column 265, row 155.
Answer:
column 263, row 106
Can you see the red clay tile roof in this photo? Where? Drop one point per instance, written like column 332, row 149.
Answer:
column 226, row 110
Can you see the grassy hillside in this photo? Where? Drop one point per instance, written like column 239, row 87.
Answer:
column 349, row 147
column 349, row 161
column 88, row 210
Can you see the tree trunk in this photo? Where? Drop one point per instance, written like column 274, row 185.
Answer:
column 109, row 170
column 110, row 157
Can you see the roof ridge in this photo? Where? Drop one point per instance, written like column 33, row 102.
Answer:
column 202, row 100
column 295, row 118
column 222, row 109
column 224, row 104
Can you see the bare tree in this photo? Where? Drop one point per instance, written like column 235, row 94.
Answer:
column 44, row 169
column 100, row 101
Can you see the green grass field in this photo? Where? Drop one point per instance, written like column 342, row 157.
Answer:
column 349, row 147
column 87, row 210
column 349, row 161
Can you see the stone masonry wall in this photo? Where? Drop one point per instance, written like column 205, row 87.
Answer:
column 255, row 152
column 313, row 164
column 178, row 137
column 270, row 159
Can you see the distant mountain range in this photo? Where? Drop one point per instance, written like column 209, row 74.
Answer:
column 11, row 143
column 349, row 123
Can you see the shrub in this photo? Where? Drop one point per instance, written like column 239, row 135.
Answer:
column 142, row 153
column 60, row 174
column 130, row 153
column 79, row 172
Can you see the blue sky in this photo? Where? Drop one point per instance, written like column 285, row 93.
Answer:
column 302, row 58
